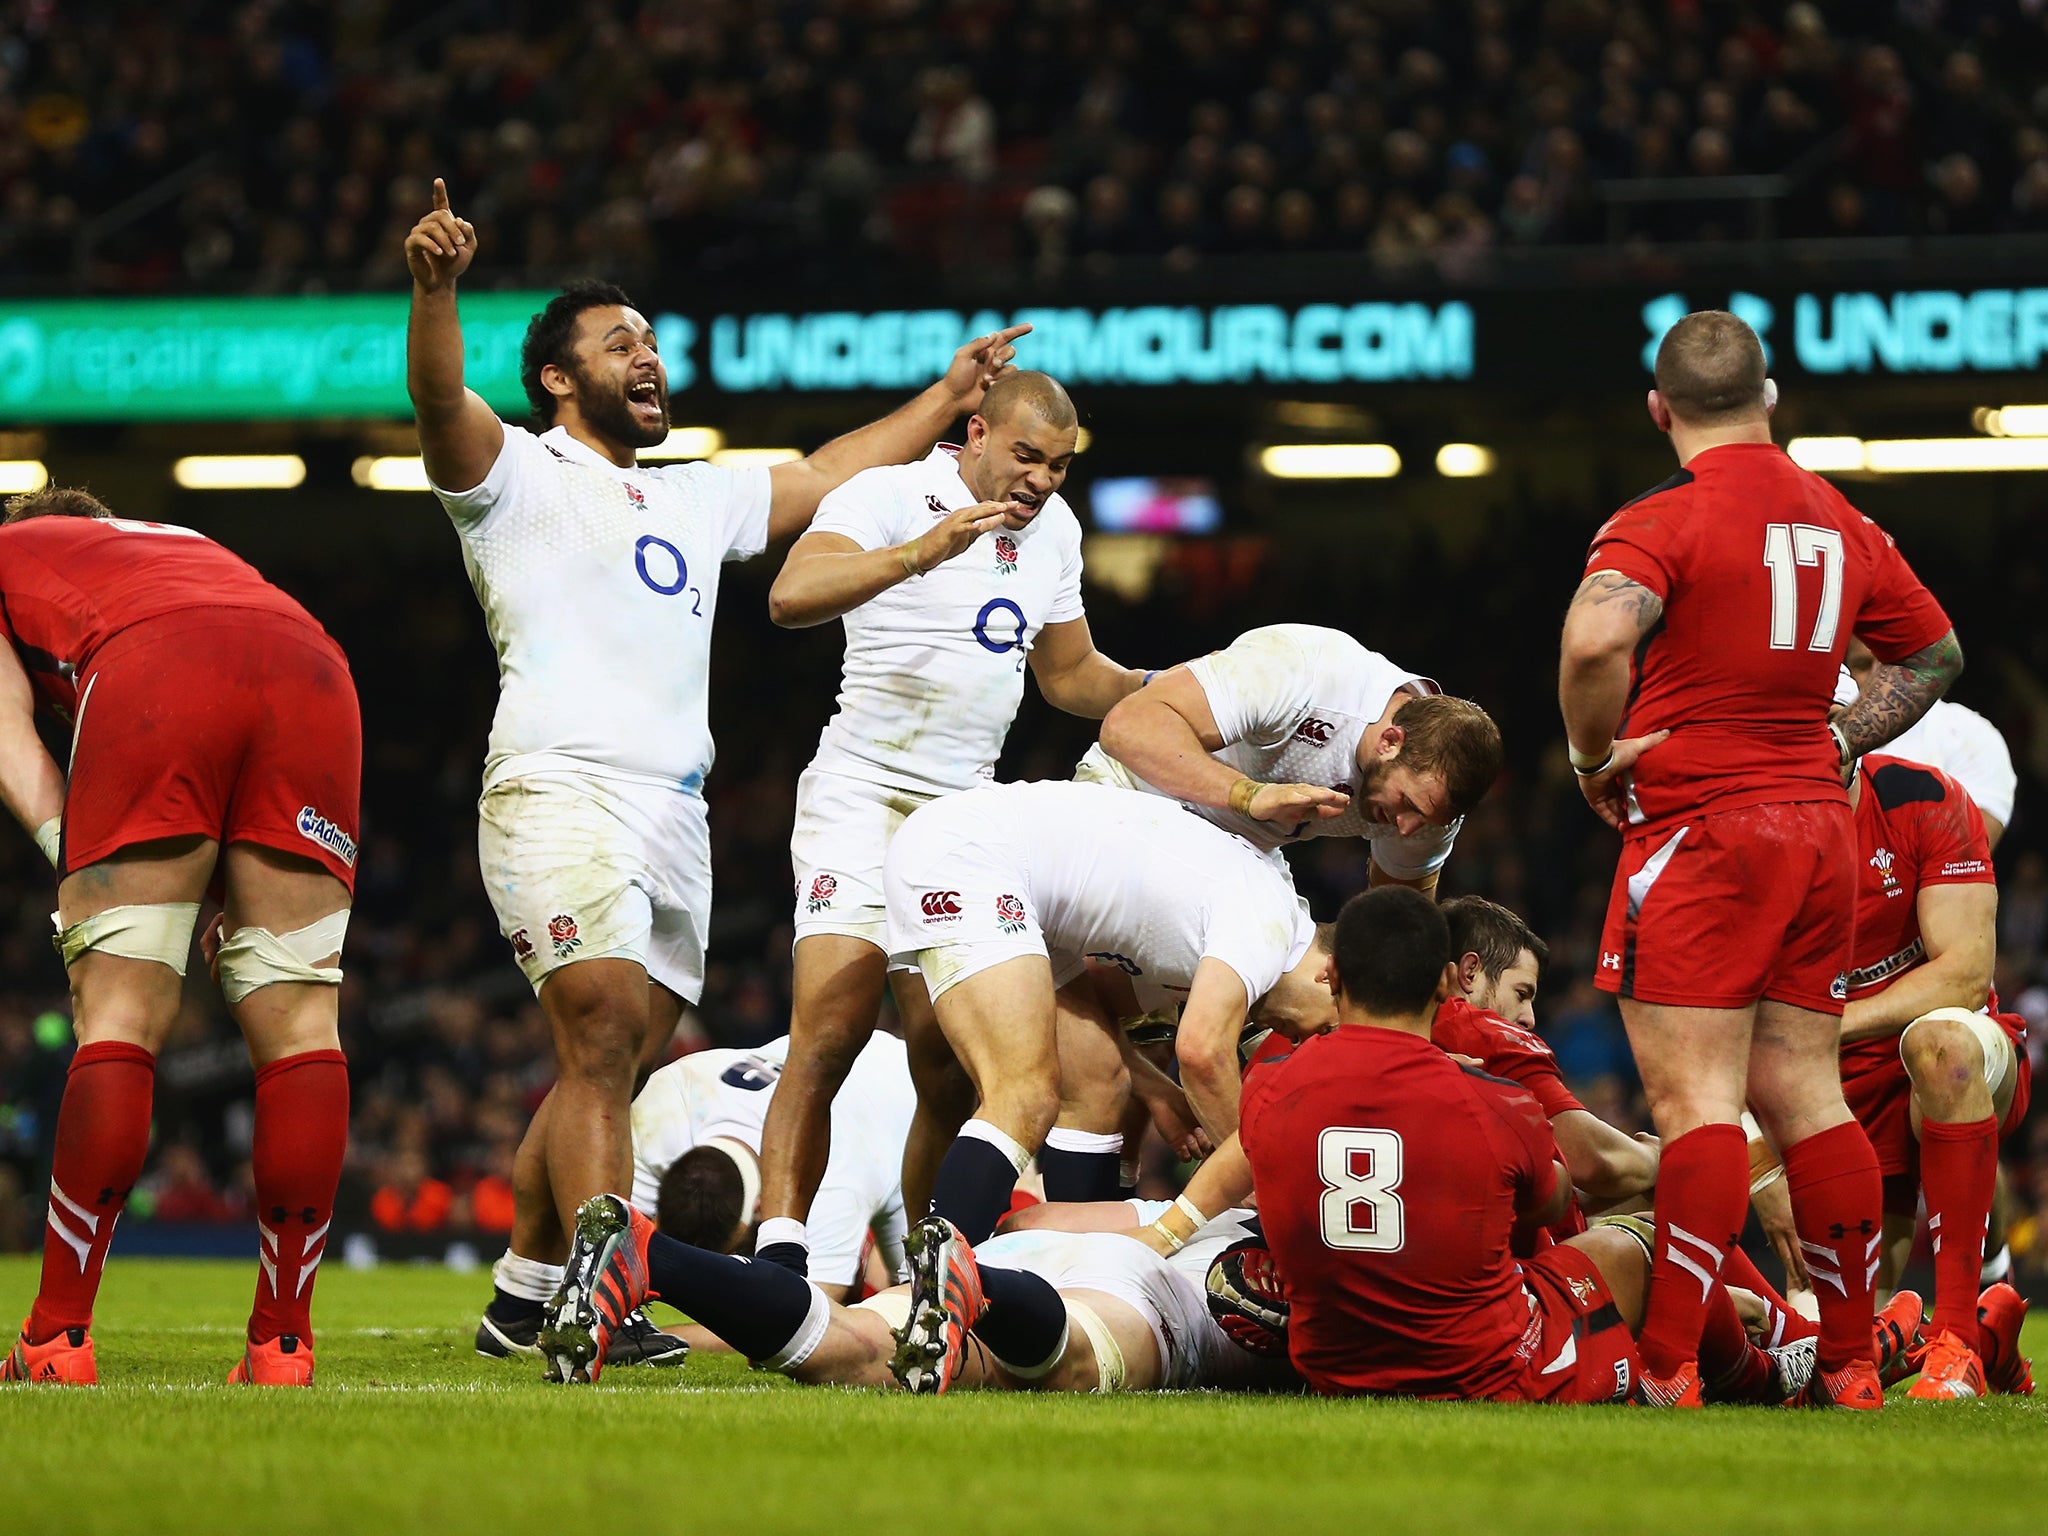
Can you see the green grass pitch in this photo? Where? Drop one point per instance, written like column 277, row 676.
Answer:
column 408, row 1430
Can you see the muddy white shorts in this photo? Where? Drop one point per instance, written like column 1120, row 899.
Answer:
column 959, row 900
column 843, row 829
column 586, row 868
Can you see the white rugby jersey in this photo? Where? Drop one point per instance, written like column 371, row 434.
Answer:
column 598, row 585
column 1292, row 702
column 1131, row 880
column 1966, row 747
column 935, row 665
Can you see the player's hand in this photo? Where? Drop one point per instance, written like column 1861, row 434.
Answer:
column 441, row 246
column 1774, row 1214
column 957, row 530
column 1175, row 1121
column 1298, row 802
column 980, row 363
column 1152, row 1238
column 1604, row 791
column 209, row 943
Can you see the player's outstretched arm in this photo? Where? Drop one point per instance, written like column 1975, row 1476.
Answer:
column 1076, row 677
column 1211, row 1021
column 827, row 574
column 1608, row 1164
column 1959, row 926
column 1165, row 733
column 1897, row 694
column 1222, row 1183
column 904, row 434
column 31, row 783
column 1608, row 618
column 460, row 436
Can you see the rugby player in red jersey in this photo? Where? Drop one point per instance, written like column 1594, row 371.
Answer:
column 1391, row 1181
column 216, row 750
column 1697, row 672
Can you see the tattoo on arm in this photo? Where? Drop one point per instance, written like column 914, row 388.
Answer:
column 1606, row 588
column 1898, row 694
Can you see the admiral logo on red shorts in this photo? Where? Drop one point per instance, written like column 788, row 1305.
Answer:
column 823, row 888
column 1009, row 914
column 1006, row 554
column 315, row 828
column 1314, row 730
column 562, row 931
column 940, row 906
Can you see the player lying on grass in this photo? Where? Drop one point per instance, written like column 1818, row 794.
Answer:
column 998, row 893
column 697, row 1129
column 1297, row 731
column 1933, row 1078
column 1033, row 1311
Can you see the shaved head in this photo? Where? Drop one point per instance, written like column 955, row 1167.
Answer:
column 1025, row 390
column 1710, row 370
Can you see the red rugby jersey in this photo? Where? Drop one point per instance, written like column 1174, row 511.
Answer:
column 69, row 584
column 1765, row 571
column 1389, row 1181
column 1507, row 1050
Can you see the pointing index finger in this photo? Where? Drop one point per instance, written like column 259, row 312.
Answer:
column 440, row 195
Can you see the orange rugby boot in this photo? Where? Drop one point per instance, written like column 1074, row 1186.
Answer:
column 285, row 1361
column 1681, row 1389
column 2000, row 1311
column 1898, row 1338
column 946, row 1302
column 64, row 1360
column 1948, row 1368
column 1855, row 1385
column 603, row 1284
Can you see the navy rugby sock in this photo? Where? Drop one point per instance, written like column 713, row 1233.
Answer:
column 976, row 1178
column 1025, row 1325
column 756, row 1308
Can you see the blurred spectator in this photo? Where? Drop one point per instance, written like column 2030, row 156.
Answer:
column 409, row 1200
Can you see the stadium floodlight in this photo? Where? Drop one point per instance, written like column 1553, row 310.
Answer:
column 399, row 472
column 1958, row 455
column 18, row 477
column 1464, row 461
column 685, row 443
column 1330, row 461
column 240, row 472
column 1828, row 455
column 2012, row 420
column 755, row 458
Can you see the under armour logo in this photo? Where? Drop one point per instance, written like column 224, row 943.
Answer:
column 1838, row 1231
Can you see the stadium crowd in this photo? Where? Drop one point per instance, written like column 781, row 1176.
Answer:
column 448, row 1052
column 275, row 146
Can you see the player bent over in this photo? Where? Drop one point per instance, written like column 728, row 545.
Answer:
column 1391, row 1181
column 1696, row 678
column 598, row 577
column 1000, row 892
column 952, row 575
column 216, row 750
column 1031, row 1311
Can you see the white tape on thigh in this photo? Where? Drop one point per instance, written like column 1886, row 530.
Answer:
column 255, row 957
column 1110, row 1370
column 161, row 932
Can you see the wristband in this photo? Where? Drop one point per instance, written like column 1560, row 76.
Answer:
column 1175, row 1241
column 1588, row 764
column 1192, row 1211
column 1242, row 793
column 908, row 554
column 50, row 838
column 1841, row 744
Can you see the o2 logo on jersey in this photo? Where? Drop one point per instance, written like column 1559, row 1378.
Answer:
column 663, row 569
column 1006, row 555
column 1009, row 914
column 940, row 906
column 823, row 888
column 1008, row 635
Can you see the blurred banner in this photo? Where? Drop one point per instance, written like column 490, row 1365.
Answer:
column 308, row 358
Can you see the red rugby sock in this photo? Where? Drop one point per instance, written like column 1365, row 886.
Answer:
column 102, row 1139
column 301, row 1138
column 1702, row 1196
column 1732, row 1369
column 1837, row 1201
column 1958, row 1168
column 1782, row 1325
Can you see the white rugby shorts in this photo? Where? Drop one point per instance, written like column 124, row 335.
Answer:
column 586, row 868
column 843, row 829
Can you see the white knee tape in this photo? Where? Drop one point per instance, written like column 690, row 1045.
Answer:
column 161, row 932
column 255, row 957
column 1996, row 1045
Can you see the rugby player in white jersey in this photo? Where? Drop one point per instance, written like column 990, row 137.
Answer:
column 999, row 893
column 599, row 580
column 951, row 575
column 1296, row 731
column 697, row 1166
column 1955, row 739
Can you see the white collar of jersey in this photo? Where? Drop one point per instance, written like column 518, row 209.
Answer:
column 568, row 447
column 749, row 1164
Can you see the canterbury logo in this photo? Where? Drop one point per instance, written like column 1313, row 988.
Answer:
column 1312, row 729
column 940, row 903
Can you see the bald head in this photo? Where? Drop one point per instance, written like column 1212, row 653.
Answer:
column 1025, row 390
column 1710, row 370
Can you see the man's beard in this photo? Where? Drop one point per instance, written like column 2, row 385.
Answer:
column 610, row 416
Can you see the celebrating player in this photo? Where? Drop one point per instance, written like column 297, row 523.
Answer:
column 1297, row 731
column 998, row 893
column 599, row 580
column 216, row 750
column 1698, row 666
column 950, row 574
